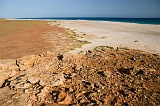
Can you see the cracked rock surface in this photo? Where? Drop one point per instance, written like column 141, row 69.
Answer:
column 100, row 77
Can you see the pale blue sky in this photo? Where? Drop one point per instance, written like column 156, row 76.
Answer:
column 79, row 8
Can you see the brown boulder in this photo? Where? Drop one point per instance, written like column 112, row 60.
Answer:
column 27, row 62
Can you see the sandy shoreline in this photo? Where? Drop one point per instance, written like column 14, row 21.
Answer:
column 116, row 34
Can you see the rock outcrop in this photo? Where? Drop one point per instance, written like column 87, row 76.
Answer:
column 99, row 77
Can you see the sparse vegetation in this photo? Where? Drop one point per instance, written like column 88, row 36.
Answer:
column 74, row 36
column 103, row 48
column 24, row 37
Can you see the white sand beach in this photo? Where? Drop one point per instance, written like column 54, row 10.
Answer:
column 116, row 34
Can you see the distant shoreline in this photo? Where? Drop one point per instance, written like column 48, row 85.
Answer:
column 152, row 21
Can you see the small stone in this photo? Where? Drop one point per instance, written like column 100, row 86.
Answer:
column 22, row 67
column 33, row 80
column 27, row 62
column 67, row 100
column 16, row 76
column 93, row 94
column 103, row 87
column 46, row 89
column 78, row 95
column 19, row 85
column 61, row 96
column 70, row 89
column 41, row 95
column 79, row 82
column 108, row 73
column 82, row 101
column 42, row 82
column 29, row 103
column 152, row 70
column 39, row 87
column 13, row 83
column 74, row 74
column 108, row 99
column 26, row 91
column 54, row 79
column 27, row 85
column 44, row 92
column 13, row 73
column 92, row 85
column 34, row 97
column 58, row 79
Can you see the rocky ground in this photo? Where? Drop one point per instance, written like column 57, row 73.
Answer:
column 104, row 76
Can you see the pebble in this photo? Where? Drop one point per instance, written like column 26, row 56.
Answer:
column 27, row 85
column 33, row 80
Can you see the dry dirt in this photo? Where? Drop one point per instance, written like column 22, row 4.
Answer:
column 20, row 38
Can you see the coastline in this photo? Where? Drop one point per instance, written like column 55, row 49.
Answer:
column 154, row 21
column 143, row 37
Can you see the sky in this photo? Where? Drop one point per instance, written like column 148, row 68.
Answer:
column 79, row 8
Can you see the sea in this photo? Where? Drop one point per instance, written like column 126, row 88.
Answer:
column 155, row 21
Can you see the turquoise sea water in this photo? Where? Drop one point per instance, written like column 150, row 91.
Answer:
column 155, row 21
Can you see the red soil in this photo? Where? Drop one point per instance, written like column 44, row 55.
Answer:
column 21, row 38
